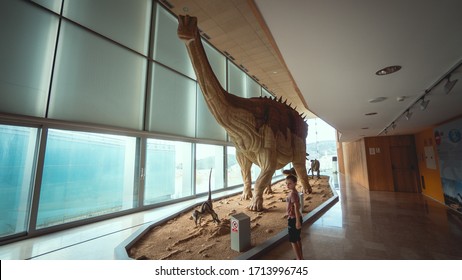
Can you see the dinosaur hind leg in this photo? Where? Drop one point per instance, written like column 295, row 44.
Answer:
column 263, row 180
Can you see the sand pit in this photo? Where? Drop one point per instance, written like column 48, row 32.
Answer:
column 180, row 239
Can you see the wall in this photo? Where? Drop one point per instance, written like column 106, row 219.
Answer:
column 354, row 158
column 431, row 176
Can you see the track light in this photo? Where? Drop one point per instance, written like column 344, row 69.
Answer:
column 408, row 115
column 393, row 125
column 449, row 84
column 424, row 104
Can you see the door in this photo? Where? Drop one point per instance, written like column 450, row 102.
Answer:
column 404, row 167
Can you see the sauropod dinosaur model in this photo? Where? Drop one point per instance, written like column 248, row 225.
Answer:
column 265, row 131
column 206, row 207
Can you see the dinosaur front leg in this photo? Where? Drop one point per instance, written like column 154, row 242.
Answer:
column 245, row 165
column 300, row 168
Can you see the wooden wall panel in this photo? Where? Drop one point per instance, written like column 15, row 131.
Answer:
column 379, row 164
column 354, row 158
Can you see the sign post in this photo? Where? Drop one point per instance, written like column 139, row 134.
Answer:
column 240, row 232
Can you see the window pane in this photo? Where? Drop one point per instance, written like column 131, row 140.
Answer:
column 236, row 82
column 96, row 81
column 124, row 21
column 168, row 170
column 234, row 170
column 54, row 5
column 168, row 48
column 321, row 144
column 266, row 93
column 173, row 103
column 207, row 126
column 26, row 53
column 17, row 154
column 217, row 61
column 209, row 157
column 253, row 89
column 86, row 175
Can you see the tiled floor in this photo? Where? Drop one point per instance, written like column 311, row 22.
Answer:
column 379, row 225
column 362, row 225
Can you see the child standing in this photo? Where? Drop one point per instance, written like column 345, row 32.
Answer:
column 294, row 217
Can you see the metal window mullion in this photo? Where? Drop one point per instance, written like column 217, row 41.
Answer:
column 32, row 228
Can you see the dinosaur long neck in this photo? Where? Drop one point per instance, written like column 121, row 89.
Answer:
column 213, row 92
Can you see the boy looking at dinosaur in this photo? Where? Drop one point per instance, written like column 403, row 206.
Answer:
column 294, row 218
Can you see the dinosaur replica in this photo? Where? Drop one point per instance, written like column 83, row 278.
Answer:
column 315, row 165
column 265, row 131
column 206, row 207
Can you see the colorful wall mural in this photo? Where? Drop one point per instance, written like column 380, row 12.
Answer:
column 448, row 139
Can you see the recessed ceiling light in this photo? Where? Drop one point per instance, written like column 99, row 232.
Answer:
column 371, row 114
column 364, row 127
column 378, row 99
column 388, row 70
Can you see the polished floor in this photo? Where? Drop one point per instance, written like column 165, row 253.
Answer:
column 362, row 225
column 367, row 225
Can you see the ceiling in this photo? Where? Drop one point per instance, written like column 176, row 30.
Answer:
column 322, row 55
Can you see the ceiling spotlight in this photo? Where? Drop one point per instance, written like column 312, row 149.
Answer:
column 449, row 84
column 377, row 99
column 393, row 125
column 424, row 104
column 388, row 70
column 408, row 115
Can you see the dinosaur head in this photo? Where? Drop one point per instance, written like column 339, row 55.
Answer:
column 187, row 28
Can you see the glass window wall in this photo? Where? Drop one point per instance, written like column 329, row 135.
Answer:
column 168, row 48
column 96, row 81
column 86, row 175
column 26, row 55
column 209, row 157
column 126, row 22
column 173, row 103
column 168, row 172
column 17, row 157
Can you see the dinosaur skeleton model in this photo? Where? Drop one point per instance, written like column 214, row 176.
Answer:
column 206, row 207
column 265, row 131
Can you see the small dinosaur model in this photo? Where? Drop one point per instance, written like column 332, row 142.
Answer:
column 206, row 207
column 315, row 165
column 265, row 131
